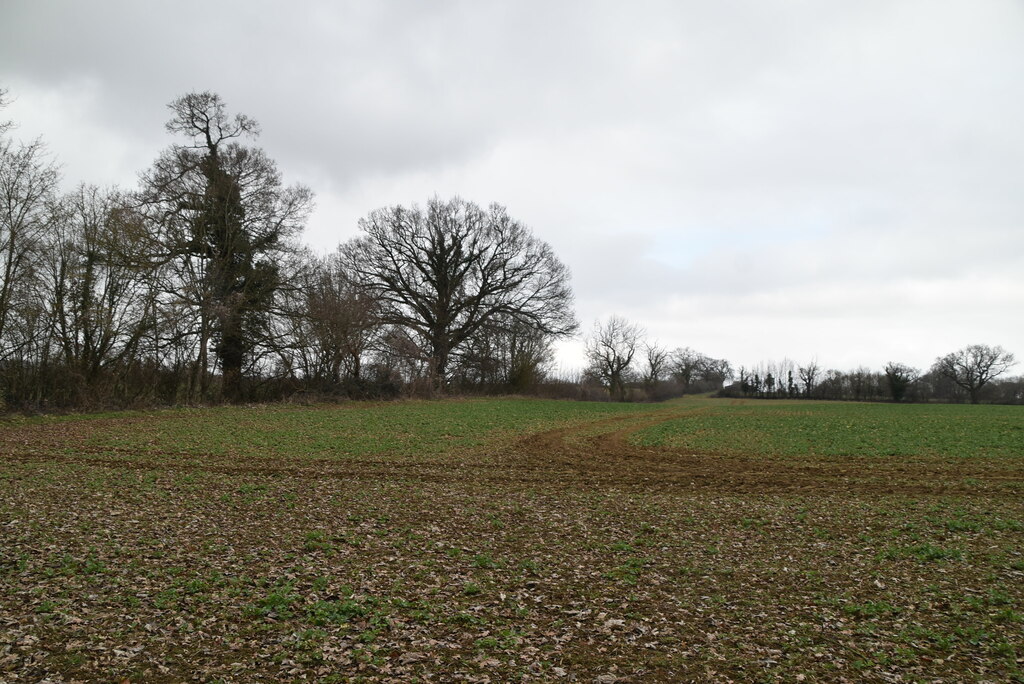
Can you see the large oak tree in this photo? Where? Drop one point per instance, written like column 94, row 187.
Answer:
column 972, row 367
column 445, row 273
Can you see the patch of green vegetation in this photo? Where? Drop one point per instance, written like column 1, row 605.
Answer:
column 629, row 571
column 504, row 640
column 484, row 561
column 278, row 602
column 168, row 598
column 336, row 612
column 797, row 428
column 412, row 429
column 46, row 607
column 317, row 540
column 90, row 565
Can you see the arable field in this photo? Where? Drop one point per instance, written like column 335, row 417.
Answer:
column 499, row 540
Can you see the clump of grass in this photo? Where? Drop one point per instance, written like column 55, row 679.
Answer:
column 484, row 562
column 317, row 540
column 628, row 572
column 277, row 603
column 336, row 612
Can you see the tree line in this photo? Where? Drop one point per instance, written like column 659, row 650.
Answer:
column 623, row 363
column 971, row 374
column 193, row 287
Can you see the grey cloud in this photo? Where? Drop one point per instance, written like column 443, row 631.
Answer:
column 697, row 165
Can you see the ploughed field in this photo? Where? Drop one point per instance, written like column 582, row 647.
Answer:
column 515, row 540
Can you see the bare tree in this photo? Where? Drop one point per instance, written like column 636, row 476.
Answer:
column 445, row 273
column 331, row 323
column 28, row 185
column 714, row 372
column 657, row 363
column 808, row 376
column 8, row 124
column 99, row 292
column 899, row 377
column 224, row 217
column 686, row 364
column 695, row 371
column 505, row 355
column 972, row 367
column 611, row 349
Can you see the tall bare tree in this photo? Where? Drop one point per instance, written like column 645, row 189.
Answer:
column 972, row 367
column 445, row 273
column 224, row 216
column 611, row 349
column 28, row 186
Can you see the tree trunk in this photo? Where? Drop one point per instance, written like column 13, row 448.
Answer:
column 231, row 353
column 439, row 363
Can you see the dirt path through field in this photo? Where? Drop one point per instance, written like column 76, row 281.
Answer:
column 603, row 453
column 597, row 453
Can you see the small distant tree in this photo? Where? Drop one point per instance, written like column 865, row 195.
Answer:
column 746, row 387
column 686, row 366
column 808, row 375
column 611, row 349
column 972, row 367
column 714, row 372
column 656, row 367
column 899, row 377
column 861, row 382
column 698, row 372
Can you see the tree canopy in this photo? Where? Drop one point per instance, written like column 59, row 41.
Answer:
column 972, row 367
column 446, row 273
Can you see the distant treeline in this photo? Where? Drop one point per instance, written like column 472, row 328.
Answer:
column 624, row 366
column 971, row 374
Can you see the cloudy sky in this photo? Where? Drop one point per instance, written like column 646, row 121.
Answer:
column 754, row 179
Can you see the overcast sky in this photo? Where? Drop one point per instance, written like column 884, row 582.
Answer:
column 757, row 180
